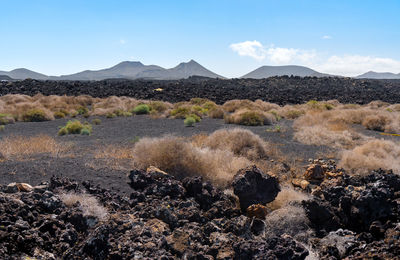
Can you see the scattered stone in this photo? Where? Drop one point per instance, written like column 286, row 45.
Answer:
column 252, row 186
column 314, row 172
column 257, row 210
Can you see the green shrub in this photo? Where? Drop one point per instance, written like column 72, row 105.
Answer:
column 96, row 121
column 180, row 112
column 34, row 115
column 2, row 127
column 328, row 106
column 196, row 117
column 209, row 105
column 199, row 110
column 111, row 115
column 63, row 131
column 189, row 121
column 6, row 119
column 74, row 114
column 76, row 127
column 141, row 109
column 82, row 110
column 59, row 114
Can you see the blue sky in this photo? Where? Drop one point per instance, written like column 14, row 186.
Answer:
column 230, row 37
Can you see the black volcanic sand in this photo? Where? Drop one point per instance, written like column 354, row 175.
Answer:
column 122, row 131
column 279, row 90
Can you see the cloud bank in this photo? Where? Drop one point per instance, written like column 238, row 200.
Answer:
column 346, row 65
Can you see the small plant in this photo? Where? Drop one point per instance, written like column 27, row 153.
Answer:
column 111, row 115
column 276, row 115
column 141, row 109
column 74, row 114
column 82, row 110
column 34, row 115
column 76, row 127
column 96, row 121
column 6, row 119
column 59, row 114
column 2, row 127
column 135, row 139
column 275, row 129
column 189, row 121
column 196, row 117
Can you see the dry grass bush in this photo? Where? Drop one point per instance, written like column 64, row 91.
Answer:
column 115, row 152
column 19, row 147
column 181, row 158
column 375, row 122
column 241, row 142
column 321, row 135
column 286, row 196
column 291, row 220
column 17, row 104
column 250, row 118
column 334, row 127
column 373, row 154
column 89, row 205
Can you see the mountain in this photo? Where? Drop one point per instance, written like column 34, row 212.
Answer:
column 136, row 70
column 378, row 75
column 24, row 74
column 289, row 70
column 5, row 78
column 191, row 68
column 126, row 70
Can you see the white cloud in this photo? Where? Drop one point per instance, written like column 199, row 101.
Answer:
column 252, row 49
column 345, row 65
column 122, row 41
column 352, row 65
column 326, row 37
column 276, row 55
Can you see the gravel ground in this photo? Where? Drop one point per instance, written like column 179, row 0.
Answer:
column 122, row 131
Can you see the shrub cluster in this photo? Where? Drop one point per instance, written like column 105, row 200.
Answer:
column 76, row 127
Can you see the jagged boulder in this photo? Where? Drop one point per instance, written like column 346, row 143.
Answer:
column 252, row 186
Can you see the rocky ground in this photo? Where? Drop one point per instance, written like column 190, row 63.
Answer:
column 279, row 90
column 164, row 218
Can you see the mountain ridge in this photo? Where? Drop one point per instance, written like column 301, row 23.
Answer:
column 378, row 75
column 137, row 70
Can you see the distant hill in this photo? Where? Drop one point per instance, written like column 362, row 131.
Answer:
column 24, row 74
column 289, row 70
column 126, row 70
column 136, row 70
column 379, row 75
column 5, row 77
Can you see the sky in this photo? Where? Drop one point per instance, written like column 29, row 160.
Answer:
column 229, row 37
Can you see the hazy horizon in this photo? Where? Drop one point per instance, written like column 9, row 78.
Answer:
column 228, row 37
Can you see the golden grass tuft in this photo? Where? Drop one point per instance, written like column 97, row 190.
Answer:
column 240, row 142
column 89, row 205
column 19, row 147
column 181, row 158
column 372, row 155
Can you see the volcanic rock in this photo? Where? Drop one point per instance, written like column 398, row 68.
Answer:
column 252, row 186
